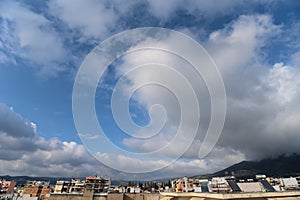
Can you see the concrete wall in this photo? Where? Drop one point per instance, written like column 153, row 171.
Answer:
column 133, row 197
column 127, row 196
column 100, row 198
column 67, row 197
column 154, row 196
column 116, row 196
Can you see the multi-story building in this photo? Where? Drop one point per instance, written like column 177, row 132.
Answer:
column 189, row 185
column 91, row 184
column 62, row 187
column 77, row 186
column 97, row 184
column 7, row 187
column 178, row 185
column 219, row 184
column 36, row 190
column 289, row 183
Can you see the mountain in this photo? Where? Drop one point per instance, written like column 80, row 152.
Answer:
column 282, row 166
column 21, row 180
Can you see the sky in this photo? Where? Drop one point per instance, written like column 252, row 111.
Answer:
column 44, row 46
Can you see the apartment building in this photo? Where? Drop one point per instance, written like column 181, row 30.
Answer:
column 36, row 190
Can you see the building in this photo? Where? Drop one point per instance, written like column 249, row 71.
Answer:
column 251, row 187
column 62, row 187
column 178, row 185
column 7, row 187
column 87, row 187
column 229, row 184
column 219, row 184
column 77, row 186
column 289, row 183
column 97, row 184
column 36, row 190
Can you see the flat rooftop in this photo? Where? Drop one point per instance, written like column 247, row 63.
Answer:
column 286, row 195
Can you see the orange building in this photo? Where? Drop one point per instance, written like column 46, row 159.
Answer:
column 7, row 187
column 37, row 189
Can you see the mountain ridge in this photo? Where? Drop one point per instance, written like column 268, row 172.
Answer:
column 281, row 166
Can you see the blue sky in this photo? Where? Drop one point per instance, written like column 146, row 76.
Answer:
column 255, row 45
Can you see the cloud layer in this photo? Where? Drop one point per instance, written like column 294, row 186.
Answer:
column 262, row 112
column 24, row 152
column 258, row 58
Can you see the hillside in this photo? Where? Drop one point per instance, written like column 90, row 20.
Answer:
column 282, row 166
column 21, row 180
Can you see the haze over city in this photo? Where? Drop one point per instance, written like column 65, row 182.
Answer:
column 254, row 44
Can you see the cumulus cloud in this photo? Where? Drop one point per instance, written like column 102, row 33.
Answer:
column 261, row 98
column 219, row 158
column 14, row 123
column 92, row 18
column 30, row 36
column 24, row 152
column 163, row 9
column 239, row 44
column 16, row 134
column 28, row 153
column 147, row 96
column 264, row 124
column 262, row 111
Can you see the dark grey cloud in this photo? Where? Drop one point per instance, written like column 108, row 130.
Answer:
column 17, row 144
column 13, row 124
column 24, row 152
column 16, row 134
column 262, row 116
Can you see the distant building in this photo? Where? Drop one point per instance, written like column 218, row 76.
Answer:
column 36, row 190
column 97, row 184
column 251, row 187
column 178, row 185
column 219, row 184
column 7, row 187
column 289, row 183
column 228, row 184
column 88, row 187
column 77, row 186
column 260, row 177
column 62, row 187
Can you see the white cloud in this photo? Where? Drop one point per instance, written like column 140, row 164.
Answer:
column 163, row 9
column 220, row 158
column 30, row 36
column 262, row 109
column 92, row 18
column 238, row 44
column 147, row 96
column 283, row 83
column 295, row 59
column 247, row 33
